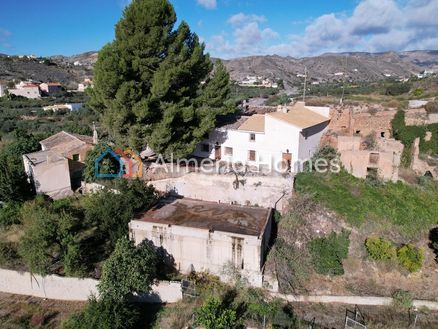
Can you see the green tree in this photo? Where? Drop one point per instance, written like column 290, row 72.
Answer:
column 111, row 212
column 13, row 180
column 128, row 270
column 48, row 237
column 215, row 315
column 153, row 83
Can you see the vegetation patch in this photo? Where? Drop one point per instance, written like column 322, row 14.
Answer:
column 380, row 249
column 408, row 134
column 329, row 252
column 410, row 257
column 410, row 208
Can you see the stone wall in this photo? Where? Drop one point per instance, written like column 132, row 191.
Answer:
column 74, row 289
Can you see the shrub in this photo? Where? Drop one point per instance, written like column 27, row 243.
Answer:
column 380, row 249
column 214, row 314
column 432, row 107
column 329, row 252
column 8, row 254
column 9, row 214
column 402, row 299
column 104, row 314
column 410, row 257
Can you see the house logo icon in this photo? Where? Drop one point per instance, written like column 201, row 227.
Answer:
column 118, row 164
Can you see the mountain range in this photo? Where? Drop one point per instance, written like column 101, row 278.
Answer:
column 355, row 66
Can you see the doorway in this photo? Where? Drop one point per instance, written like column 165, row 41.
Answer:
column 217, row 152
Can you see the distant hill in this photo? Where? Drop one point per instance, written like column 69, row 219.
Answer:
column 355, row 66
column 53, row 69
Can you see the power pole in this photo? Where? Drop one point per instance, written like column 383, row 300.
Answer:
column 305, row 83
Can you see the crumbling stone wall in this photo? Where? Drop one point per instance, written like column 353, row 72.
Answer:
column 361, row 120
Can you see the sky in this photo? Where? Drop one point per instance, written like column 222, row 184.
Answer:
column 230, row 28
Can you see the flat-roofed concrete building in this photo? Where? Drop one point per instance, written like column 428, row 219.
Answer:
column 208, row 236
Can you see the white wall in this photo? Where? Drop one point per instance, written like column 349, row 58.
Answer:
column 32, row 93
column 74, row 289
column 279, row 137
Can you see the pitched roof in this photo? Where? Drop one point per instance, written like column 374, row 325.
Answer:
column 63, row 140
column 300, row 116
column 208, row 216
column 255, row 123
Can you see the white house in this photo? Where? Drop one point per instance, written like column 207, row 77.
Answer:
column 2, row 90
column 64, row 107
column 31, row 91
column 270, row 141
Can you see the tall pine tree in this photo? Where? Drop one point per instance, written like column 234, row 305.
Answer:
column 153, row 85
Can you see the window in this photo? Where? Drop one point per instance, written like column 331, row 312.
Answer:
column 374, row 158
column 382, row 134
column 205, row 148
column 75, row 157
column 252, row 155
column 229, row 151
column 252, row 137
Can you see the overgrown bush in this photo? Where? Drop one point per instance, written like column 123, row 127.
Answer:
column 432, row 107
column 397, row 88
column 402, row 300
column 8, row 254
column 329, row 252
column 410, row 257
column 104, row 314
column 216, row 314
column 380, row 249
column 9, row 214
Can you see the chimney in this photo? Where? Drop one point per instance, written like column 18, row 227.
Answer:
column 95, row 136
column 282, row 108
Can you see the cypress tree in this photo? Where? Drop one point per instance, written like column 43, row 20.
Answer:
column 153, row 85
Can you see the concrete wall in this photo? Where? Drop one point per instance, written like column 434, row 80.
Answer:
column 50, row 178
column 201, row 250
column 264, row 191
column 32, row 93
column 74, row 289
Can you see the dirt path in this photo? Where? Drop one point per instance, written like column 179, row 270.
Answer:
column 353, row 300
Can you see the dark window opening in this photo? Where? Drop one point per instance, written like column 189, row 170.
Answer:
column 252, row 155
column 205, row 148
column 382, row 134
column 252, row 137
column 374, row 158
column 75, row 157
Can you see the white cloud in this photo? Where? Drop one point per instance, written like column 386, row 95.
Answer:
column 374, row 25
column 248, row 37
column 241, row 19
column 209, row 4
